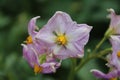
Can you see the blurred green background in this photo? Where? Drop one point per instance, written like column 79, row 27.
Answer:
column 14, row 17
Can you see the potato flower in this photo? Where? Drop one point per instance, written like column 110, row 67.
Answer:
column 114, row 27
column 65, row 37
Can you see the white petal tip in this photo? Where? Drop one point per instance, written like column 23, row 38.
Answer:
column 79, row 56
column 37, row 17
column 91, row 27
column 111, row 10
column 59, row 12
column 34, row 18
column 22, row 44
column 53, row 68
column 92, row 70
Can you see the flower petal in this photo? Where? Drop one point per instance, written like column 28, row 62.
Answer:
column 29, row 55
column 32, row 26
column 75, row 50
column 98, row 73
column 56, row 49
column 50, row 67
column 79, row 31
column 45, row 35
column 67, row 51
column 78, row 37
column 59, row 21
column 115, row 21
column 57, row 24
column 107, row 76
column 115, row 41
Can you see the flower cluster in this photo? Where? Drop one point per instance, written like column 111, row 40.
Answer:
column 59, row 39
column 37, row 53
column 114, row 58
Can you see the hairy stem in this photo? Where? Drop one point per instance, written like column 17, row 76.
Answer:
column 92, row 56
column 99, row 44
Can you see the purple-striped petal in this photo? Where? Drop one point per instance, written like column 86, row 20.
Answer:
column 115, row 21
column 50, row 67
column 32, row 26
column 29, row 54
column 107, row 76
column 115, row 41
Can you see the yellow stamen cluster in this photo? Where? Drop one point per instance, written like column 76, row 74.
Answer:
column 118, row 53
column 113, row 79
column 37, row 69
column 61, row 40
column 29, row 40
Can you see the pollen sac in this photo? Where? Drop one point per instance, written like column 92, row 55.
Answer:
column 29, row 40
column 113, row 79
column 37, row 69
column 118, row 53
column 61, row 40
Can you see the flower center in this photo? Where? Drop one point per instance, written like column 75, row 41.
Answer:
column 61, row 39
column 118, row 53
column 113, row 79
column 29, row 40
column 37, row 69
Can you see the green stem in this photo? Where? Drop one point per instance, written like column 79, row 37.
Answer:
column 72, row 72
column 99, row 44
column 93, row 56
column 85, row 60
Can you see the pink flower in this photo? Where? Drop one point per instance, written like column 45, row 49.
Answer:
column 42, row 61
column 66, row 37
column 37, row 53
column 114, row 23
column 113, row 61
